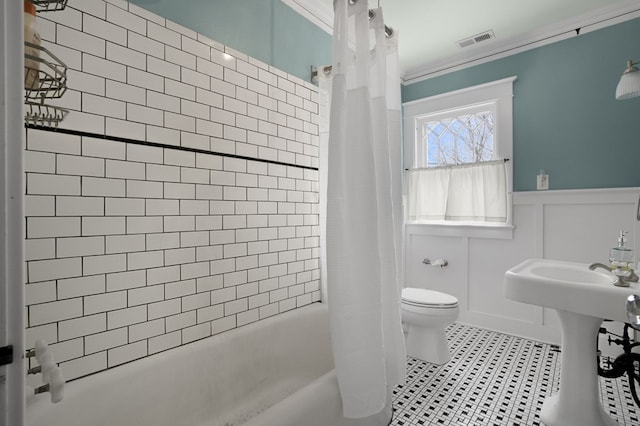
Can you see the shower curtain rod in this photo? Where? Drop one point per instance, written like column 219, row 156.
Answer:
column 388, row 32
column 449, row 166
column 326, row 70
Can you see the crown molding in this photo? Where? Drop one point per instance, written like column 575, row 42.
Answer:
column 319, row 13
column 598, row 19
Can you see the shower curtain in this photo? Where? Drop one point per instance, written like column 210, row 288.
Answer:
column 364, row 213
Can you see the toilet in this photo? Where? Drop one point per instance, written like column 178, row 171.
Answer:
column 426, row 313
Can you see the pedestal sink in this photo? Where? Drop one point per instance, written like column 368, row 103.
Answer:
column 582, row 298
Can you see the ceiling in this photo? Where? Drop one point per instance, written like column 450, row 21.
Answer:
column 429, row 30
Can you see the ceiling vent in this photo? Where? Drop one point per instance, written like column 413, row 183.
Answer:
column 483, row 36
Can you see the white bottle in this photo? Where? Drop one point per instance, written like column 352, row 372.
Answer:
column 31, row 35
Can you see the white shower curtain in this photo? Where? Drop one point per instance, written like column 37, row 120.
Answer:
column 324, row 103
column 364, row 213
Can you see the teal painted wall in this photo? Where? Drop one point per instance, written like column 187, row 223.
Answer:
column 267, row 30
column 298, row 43
column 566, row 118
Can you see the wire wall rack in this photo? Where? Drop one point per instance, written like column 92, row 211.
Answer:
column 49, row 5
column 45, row 77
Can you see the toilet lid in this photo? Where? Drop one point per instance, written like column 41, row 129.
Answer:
column 422, row 297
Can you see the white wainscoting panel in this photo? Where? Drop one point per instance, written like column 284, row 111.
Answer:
column 572, row 225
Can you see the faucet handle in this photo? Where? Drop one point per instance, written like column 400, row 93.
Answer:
column 622, row 282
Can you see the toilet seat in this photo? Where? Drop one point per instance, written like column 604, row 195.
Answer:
column 419, row 297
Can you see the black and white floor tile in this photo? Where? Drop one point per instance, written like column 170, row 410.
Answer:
column 493, row 379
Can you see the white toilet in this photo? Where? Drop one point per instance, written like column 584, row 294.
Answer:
column 427, row 313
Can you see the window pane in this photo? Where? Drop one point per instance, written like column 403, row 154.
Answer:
column 460, row 139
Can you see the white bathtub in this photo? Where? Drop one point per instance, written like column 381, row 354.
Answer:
column 278, row 371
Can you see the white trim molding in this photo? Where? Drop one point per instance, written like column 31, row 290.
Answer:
column 12, row 376
column 318, row 12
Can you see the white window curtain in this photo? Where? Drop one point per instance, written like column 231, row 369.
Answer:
column 364, row 214
column 472, row 192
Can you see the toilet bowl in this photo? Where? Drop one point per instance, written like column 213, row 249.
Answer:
column 426, row 313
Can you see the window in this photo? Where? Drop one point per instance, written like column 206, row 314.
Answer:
column 461, row 136
column 455, row 149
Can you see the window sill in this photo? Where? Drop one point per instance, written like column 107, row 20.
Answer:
column 501, row 231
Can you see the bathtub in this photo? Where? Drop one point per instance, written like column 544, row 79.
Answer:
column 278, row 371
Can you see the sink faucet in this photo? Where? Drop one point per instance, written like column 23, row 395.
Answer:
column 593, row 266
column 623, row 281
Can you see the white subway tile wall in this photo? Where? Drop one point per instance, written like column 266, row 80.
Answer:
column 135, row 249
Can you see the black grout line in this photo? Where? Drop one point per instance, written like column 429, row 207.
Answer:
column 161, row 145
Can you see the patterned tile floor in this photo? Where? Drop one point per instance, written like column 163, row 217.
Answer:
column 493, row 379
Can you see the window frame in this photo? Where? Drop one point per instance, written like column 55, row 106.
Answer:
column 500, row 93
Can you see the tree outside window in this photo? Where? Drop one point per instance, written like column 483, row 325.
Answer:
column 461, row 139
